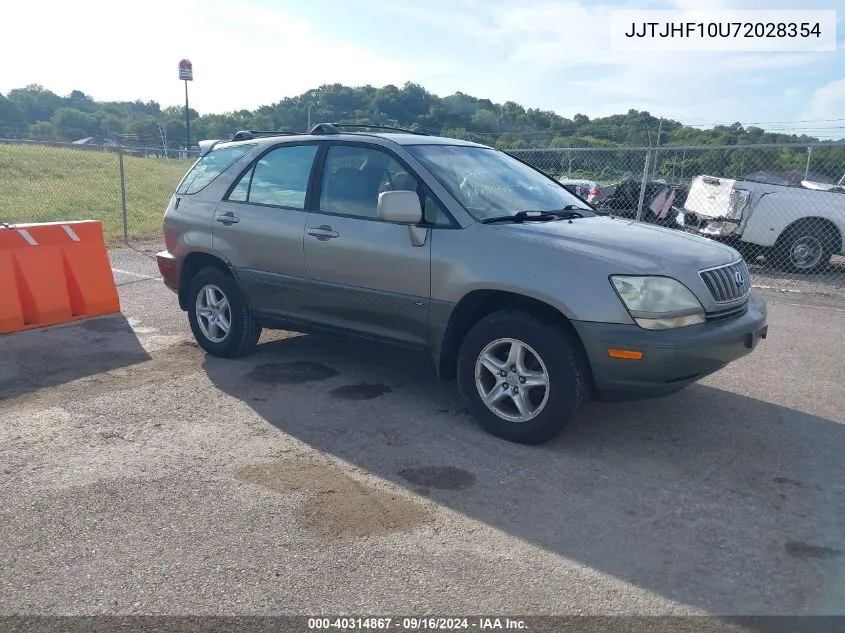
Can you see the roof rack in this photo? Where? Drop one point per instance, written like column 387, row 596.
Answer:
column 320, row 128
column 248, row 135
column 335, row 128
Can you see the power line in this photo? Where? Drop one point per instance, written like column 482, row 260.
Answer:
column 709, row 122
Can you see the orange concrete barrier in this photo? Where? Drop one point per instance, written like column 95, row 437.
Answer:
column 54, row 273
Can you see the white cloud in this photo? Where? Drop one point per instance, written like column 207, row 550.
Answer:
column 828, row 102
column 468, row 18
column 542, row 53
column 242, row 58
column 564, row 44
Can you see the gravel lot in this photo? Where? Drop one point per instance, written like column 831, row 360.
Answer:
column 322, row 476
column 829, row 282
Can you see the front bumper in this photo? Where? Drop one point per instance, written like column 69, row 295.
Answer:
column 720, row 229
column 672, row 359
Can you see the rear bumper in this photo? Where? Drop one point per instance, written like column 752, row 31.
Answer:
column 672, row 359
column 168, row 266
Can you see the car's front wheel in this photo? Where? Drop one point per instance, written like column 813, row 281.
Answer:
column 220, row 318
column 523, row 380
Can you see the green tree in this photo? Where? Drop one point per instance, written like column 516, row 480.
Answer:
column 36, row 102
column 10, row 113
column 70, row 124
column 508, row 125
column 41, row 131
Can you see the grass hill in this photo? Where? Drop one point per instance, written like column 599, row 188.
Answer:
column 45, row 184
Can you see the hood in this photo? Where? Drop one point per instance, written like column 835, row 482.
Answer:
column 648, row 248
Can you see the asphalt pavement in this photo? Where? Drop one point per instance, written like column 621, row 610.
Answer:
column 319, row 476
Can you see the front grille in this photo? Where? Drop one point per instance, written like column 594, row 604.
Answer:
column 727, row 283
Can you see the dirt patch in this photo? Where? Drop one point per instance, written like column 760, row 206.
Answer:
column 363, row 391
column 295, row 373
column 441, row 477
column 339, row 506
column 799, row 549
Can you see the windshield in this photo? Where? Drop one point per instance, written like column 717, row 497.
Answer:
column 490, row 183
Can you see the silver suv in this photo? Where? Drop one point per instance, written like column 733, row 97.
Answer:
column 533, row 301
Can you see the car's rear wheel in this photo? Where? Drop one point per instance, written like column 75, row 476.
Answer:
column 523, row 380
column 806, row 247
column 220, row 318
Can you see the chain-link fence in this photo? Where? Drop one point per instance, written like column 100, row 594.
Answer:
column 126, row 186
column 781, row 206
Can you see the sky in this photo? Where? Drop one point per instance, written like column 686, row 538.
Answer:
column 553, row 55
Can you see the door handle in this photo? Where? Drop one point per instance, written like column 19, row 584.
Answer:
column 323, row 233
column 228, row 218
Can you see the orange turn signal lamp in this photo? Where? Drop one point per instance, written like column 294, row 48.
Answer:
column 628, row 354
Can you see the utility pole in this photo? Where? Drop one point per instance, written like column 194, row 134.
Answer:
column 807, row 168
column 309, row 117
column 641, row 201
column 659, row 129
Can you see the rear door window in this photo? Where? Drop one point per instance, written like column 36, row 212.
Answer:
column 210, row 166
column 278, row 179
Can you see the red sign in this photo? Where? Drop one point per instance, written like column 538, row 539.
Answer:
column 186, row 70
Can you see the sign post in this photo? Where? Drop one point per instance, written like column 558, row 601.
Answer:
column 186, row 74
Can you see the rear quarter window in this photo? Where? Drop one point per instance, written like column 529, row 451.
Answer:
column 210, row 166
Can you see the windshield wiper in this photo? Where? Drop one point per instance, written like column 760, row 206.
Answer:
column 573, row 207
column 522, row 216
column 568, row 212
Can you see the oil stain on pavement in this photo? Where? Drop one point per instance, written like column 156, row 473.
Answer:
column 799, row 549
column 294, row 373
column 338, row 505
column 362, row 391
column 439, row 477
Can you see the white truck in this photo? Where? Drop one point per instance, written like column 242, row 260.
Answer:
column 796, row 227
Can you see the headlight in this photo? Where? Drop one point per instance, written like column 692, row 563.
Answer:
column 720, row 228
column 658, row 303
column 738, row 201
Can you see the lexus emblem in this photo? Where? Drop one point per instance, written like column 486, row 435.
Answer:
column 740, row 280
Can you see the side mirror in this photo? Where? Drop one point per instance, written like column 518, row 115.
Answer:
column 401, row 207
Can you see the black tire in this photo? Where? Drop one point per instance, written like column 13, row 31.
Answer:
column 819, row 234
column 566, row 366
column 244, row 330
